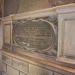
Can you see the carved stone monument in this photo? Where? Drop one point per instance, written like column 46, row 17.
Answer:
column 37, row 35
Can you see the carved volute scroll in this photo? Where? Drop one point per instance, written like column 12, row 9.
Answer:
column 37, row 35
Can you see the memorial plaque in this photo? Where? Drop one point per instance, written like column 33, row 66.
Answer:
column 34, row 35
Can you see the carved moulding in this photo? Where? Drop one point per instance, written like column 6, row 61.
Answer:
column 36, row 35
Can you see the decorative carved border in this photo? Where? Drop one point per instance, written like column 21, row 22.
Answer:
column 53, row 21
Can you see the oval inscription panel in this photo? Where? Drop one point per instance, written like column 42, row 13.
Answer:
column 34, row 35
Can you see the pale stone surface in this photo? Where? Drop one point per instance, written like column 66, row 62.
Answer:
column 3, row 73
column 66, row 9
column 35, row 70
column 4, row 67
column 22, row 73
column 6, row 59
column 69, row 38
column 12, row 71
column 57, row 74
column 63, row 2
column 0, row 61
column 7, row 34
column 66, row 26
column 20, row 65
column 37, row 64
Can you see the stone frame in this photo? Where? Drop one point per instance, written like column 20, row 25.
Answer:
column 62, row 56
column 7, row 43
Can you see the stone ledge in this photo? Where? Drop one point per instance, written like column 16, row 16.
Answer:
column 44, row 64
column 69, row 8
